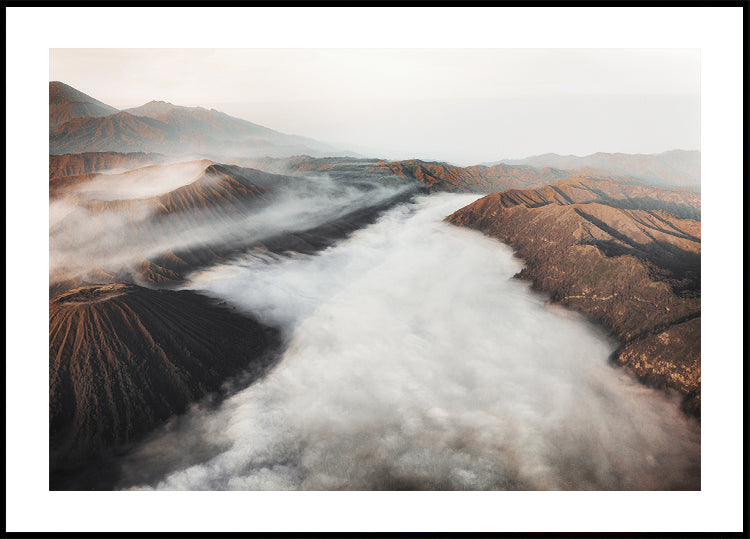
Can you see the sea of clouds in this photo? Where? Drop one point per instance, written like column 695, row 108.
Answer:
column 414, row 360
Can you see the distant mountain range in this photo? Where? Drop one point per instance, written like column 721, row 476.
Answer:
column 433, row 176
column 79, row 123
column 675, row 168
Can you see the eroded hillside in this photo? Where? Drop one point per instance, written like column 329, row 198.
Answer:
column 124, row 359
column 627, row 256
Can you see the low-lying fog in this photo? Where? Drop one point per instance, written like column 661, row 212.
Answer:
column 149, row 181
column 130, row 229
column 415, row 361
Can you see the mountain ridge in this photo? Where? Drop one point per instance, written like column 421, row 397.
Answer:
column 67, row 103
column 161, row 127
column 75, row 164
column 597, row 249
column 201, row 220
column 434, row 176
column 671, row 168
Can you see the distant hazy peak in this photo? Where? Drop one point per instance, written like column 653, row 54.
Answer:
column 672, row 168
column 153, row 109
column 612, row 154
column 161, row 127
column 61, row 93
column 67, row 103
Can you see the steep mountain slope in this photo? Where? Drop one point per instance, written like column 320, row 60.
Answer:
column 120, row 132
column 106, row 235
column 176, row 134
column 159, row 127
column 224, row 133
column 627, row 256
column 582, row 189
column 213, row 190
column 676, row 168
column 124, row 359
column 75, row 164
column 197, row 119
column 67, row 103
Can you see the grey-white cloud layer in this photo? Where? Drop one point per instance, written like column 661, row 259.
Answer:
column 415, row 361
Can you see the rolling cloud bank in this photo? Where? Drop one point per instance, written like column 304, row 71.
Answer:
column 414, row 360
column 112, row 222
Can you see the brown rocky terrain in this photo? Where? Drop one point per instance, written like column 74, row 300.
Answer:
column 214, row 199
column 215, row 186
column 628, row 256
column 434, row 177
column 75, row 164
column 124, row 359
column 479, row 178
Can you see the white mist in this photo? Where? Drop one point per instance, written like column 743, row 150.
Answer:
column 416, row 361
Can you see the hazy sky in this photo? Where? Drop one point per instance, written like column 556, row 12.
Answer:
column 459, row 105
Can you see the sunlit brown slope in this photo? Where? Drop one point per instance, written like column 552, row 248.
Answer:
column 199, row 217
column 76, row 164
column 215, row 190
column 584, row 189
column 433, row 176
column 627, row 256
column 123, row 359
column 479, row 179
column 145, row 182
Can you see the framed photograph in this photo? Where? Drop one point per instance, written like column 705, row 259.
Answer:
column 375, row 269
